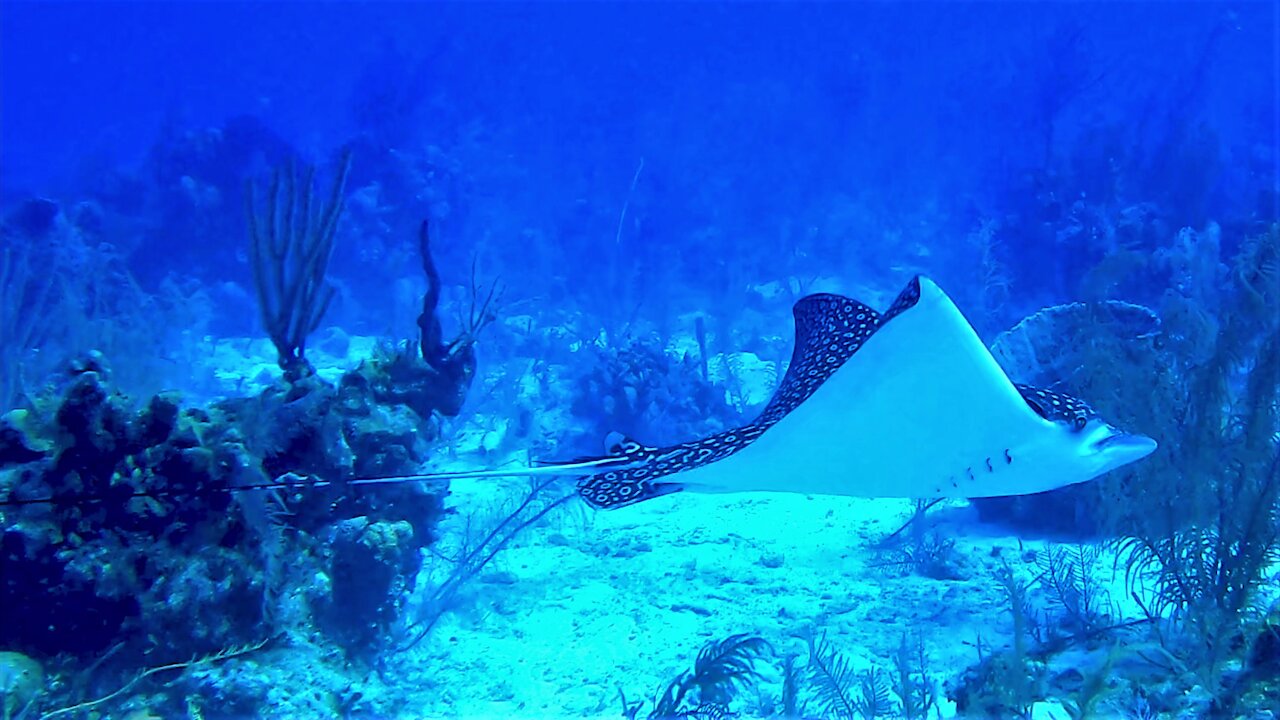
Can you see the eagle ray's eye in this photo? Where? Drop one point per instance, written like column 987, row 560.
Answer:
column 1039, row 409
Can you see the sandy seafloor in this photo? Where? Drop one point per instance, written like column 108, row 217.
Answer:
column 627, row 597
column 588, row 603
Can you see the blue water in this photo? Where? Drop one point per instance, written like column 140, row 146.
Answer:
column 624, row 201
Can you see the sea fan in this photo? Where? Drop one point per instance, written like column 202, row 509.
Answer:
column 1067, row 576
column 792, row 678
column 721, row 668
column 842, row 693
column 832, row 679
column 873, row 695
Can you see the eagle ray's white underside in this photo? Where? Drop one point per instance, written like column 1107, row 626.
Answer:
column 922, row 409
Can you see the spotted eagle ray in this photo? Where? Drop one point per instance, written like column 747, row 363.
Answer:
column 906, row 404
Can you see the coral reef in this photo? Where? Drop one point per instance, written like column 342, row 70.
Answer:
column 654, row 208
column 638, row 388
column 139, row 531
column 135, row 540
column 162, row 531
column 371, row 565
column 64, row 289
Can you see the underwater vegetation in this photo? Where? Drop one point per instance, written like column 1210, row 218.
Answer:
column 138, row 547
column 653, row 215
column 721, row 669
column 158, row 531
column 143, row 542
column 66, row 289
column 290, row 245
column 1197, row 529
column 636, row 384
column 826, row 685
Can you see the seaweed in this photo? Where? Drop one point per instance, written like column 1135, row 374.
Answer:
column 1005, row 683
column 874, row 699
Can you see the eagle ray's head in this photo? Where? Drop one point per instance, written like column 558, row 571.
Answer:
column 1078, row 445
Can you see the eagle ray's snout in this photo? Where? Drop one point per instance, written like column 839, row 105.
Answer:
column 1132, row 447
